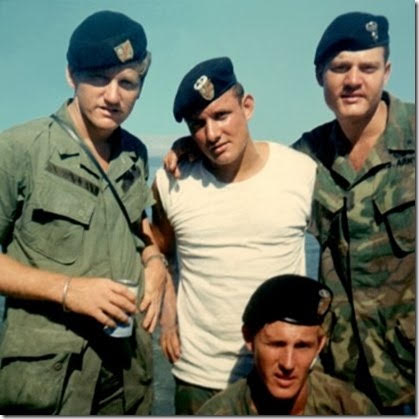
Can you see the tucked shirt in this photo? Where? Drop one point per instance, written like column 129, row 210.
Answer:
column 365, row 223
column 230, row 238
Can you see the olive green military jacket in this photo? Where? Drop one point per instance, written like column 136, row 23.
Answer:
column 327, row 396
column 365, row 223
column 58, row 214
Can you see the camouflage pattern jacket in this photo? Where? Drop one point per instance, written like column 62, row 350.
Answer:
column 327, row 396
column 365, row 223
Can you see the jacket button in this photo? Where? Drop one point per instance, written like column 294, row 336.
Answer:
column 58, row 366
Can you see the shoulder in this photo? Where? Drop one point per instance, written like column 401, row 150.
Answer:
column 315, row 143
column 191, row 172
column 290, row 157
column 228, row 402
column 402, row 117
column 339, row 397
column 24, row 135
column 133, row 143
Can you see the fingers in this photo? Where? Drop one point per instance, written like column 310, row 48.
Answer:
column 103, row 299
column 170, row 163
column 170, row 344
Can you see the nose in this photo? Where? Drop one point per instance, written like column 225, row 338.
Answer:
column 353, row 77
column 212, row 131
column 286, row 361
column 111, row 94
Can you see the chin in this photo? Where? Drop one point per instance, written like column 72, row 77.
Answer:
column 281, row 393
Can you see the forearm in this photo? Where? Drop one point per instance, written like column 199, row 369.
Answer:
column 169, row 311
column 25, row 282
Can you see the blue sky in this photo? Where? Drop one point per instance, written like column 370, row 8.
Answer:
column 271, row 43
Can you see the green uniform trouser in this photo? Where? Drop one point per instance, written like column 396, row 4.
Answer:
column 189, row 397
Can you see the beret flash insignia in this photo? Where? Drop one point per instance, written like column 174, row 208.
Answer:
column 205, row 87
column 372, row 27
column 324, row 302
column 124, row 51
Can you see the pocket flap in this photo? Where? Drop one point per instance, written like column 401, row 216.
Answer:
column 25, row 342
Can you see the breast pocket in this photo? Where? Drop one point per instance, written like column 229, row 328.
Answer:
column 55, row 220
column 398, row 213
column 136, row 199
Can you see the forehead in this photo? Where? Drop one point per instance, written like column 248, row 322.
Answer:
column 132, row 68
column 288, row 332
column 227, row 100
column 372, row 54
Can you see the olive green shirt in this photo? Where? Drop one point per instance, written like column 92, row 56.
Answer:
column 327, row 396
column 58, row 214
column 365, row 223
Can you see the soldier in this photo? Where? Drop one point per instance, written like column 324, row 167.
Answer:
column 73, row 194
column 364, row 212
column 282, row 327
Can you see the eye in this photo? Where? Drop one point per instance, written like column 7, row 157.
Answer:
column 339, row 68
column 195, row 124
column 221, row 116
column 369, row 68
column 128, row 84
column 304, row 345
column 95, row 79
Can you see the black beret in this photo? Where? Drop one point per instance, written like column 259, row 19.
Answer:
column 206, row 82
column 105, row 39
column 289, row 298
column 353, row 31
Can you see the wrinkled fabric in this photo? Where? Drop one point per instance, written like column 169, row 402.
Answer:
column 365, row 223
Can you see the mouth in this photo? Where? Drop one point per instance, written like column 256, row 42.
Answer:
column 284, row 381
column 351, row 97
column 108, row 111
column 218, row 148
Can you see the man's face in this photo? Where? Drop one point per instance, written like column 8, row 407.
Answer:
column 353, row 82
column 106, row 97
column 283, row 354
column 221, row 130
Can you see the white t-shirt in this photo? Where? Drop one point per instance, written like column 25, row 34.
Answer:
column 230, row 238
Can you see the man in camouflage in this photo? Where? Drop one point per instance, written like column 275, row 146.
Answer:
column 282, row 327
column 364, row 212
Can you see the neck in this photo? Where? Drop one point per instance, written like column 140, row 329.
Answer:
column 364, row 134
column 97, row 140
column 265, row 404
column 368, row 128
column 247, row 165
column 84, row 127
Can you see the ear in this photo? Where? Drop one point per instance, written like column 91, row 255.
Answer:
column 387, row 72
column 70, row 78
column 248, row 338
column 319, row 74
column 248, row 104
column 322, row 342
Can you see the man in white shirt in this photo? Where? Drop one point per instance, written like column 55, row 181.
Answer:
column 234, row 218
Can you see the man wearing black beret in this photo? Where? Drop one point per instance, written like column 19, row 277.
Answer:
column 73, row 194
column 364, row 212
column 282, row 327
column 235, row 218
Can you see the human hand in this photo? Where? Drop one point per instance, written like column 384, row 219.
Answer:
column 170, row 342
column 105, row 300
column 183, row 148
column 155, row 282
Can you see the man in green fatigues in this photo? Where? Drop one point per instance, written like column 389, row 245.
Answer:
column 282, row 328
column 364, row 212
column 66, row 241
